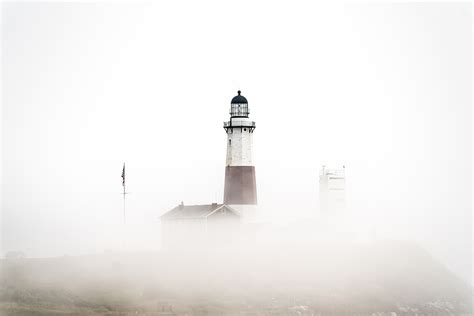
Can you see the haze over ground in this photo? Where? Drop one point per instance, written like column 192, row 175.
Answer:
column 384, row 89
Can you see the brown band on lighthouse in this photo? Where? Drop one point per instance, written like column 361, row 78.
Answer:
column 240, row 186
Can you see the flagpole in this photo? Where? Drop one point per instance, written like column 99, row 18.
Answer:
column 124, row 222
column 124, row 218
column 124, row 192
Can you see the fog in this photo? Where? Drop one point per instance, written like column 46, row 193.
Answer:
column 325, row 279
column 383, row 89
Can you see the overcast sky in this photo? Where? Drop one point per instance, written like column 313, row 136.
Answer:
column 383, row 89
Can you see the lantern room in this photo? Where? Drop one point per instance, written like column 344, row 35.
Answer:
column 239, row 106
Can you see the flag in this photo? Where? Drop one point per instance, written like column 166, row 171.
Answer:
column 123, row 175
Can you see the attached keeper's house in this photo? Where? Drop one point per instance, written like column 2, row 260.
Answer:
column 199, row 226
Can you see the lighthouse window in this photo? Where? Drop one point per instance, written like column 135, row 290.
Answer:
column 245, row 129
column 230, row 141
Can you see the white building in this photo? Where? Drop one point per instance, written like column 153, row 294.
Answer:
column 332, row 192
column 200, row 226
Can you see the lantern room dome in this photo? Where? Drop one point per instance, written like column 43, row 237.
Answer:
column 239, row 99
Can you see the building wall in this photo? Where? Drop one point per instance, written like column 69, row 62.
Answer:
column 332, row 192
column 175, row 233
column 240, row 185
column 248, row 212
column 218, row 230
column 223, row 229
column 239, row 147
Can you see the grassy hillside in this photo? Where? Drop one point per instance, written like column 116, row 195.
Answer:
column 318, row 279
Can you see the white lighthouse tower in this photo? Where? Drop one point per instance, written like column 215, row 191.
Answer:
column 240, row 190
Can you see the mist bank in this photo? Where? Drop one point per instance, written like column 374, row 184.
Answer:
column 326, row 278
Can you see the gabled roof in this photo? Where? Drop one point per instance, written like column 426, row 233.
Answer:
column 195, row 211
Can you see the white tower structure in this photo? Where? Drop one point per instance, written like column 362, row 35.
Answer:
column 240, row 190
column 332, row 192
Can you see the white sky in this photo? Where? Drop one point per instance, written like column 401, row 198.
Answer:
column 384, row 89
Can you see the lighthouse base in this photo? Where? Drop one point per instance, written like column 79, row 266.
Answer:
column 240, row 186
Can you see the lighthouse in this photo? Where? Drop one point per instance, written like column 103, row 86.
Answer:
column 219, row 225
column 240, row 190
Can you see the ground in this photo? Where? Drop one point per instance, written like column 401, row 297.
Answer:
column 371, row 279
